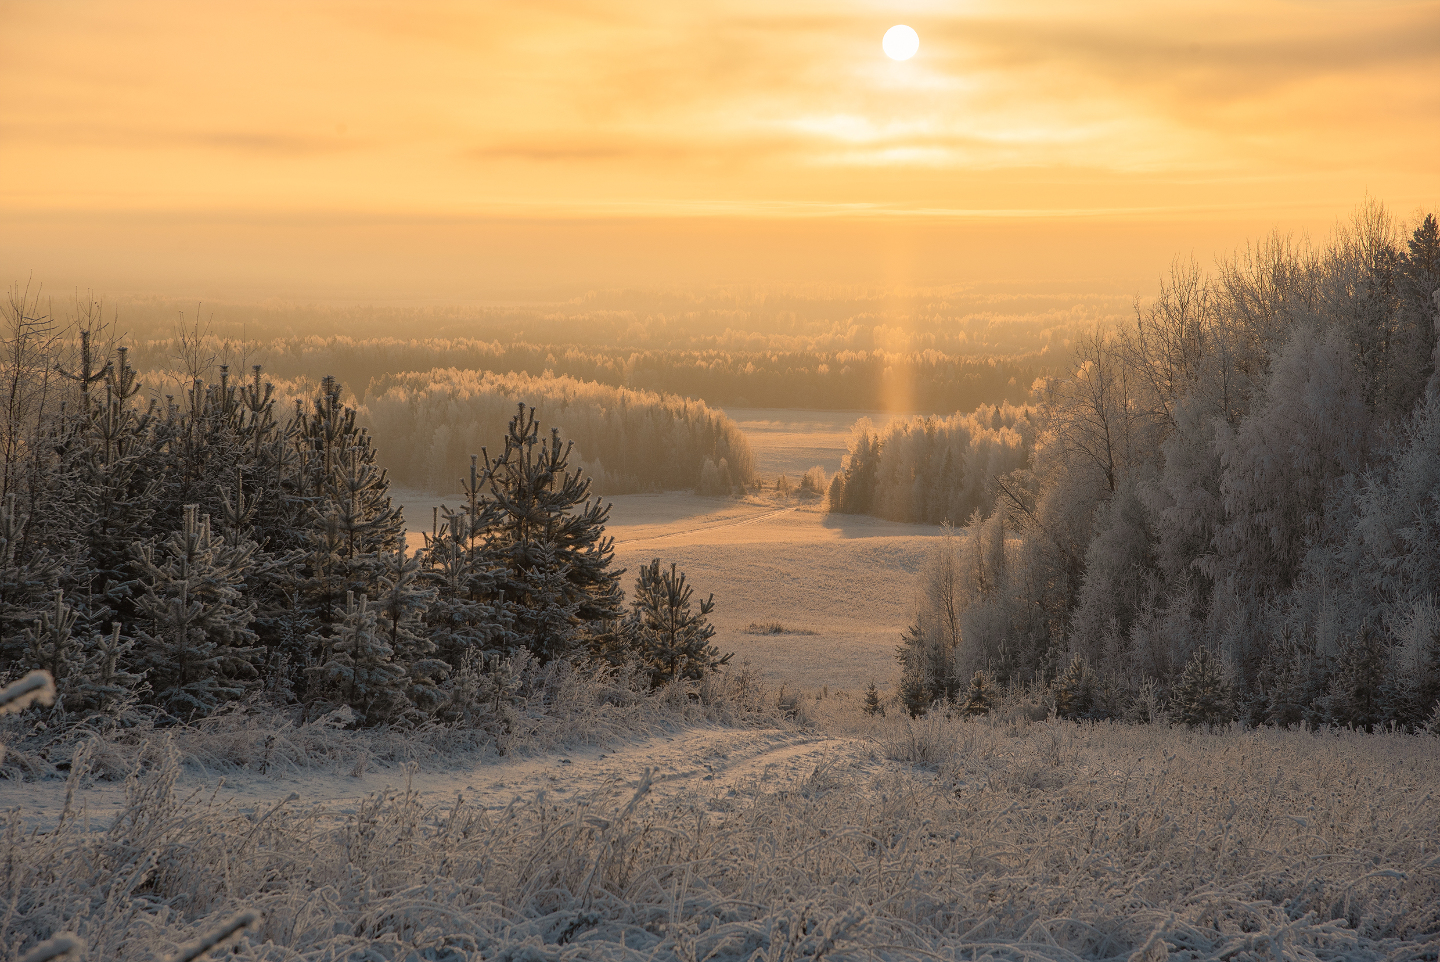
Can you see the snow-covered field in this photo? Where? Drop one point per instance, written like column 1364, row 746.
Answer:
column 847, row 579
column 788, row 441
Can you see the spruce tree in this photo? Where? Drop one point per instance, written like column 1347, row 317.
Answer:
column 196, row 645
column 1075, row 691
column 928, row 671
column 669, row 636
column 873, row 704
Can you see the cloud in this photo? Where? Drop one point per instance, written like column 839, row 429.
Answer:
column 245, row 142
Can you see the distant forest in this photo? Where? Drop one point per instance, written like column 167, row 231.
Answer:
column 824, row 380
column 939, row 352
column 1232, row 505
column 430, row 423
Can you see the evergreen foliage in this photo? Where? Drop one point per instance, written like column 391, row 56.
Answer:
column 979, row 697
column 1203, row 695
column 873, row 704
column 185, row 553
column 357, row 666
column 545, row 546
column 669, row 637
column 1075, row 691
column 194, row 639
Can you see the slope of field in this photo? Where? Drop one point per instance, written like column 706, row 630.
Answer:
column 830, row 596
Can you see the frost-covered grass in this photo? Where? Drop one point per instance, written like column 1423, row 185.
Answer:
column 975, row 840
column 536, row 708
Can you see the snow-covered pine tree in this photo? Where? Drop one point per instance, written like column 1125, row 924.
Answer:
column 103, row 683
column 979, row 697
column 400, row 619
column 51, row 645
column 545, row 543
column 26, row 576
column 465, row 619
column 928, row 672
column 352, row 521
column 195, row 646
column 357, row 667
column 1204, row 694
column 1075, row 690
column 669, row 636
column 103, row 498
column 260, row 502
column 873, row 704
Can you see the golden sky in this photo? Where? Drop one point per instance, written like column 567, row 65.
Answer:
column 224, row 124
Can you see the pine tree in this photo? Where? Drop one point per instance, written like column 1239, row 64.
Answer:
column 108, row 488
column 873, row 704
column 103, row 684
column 928, row 672
column 1358, row 685
column 980, row 697
column 466, row 618
column 545, row 543
column 1204, row 694
column 196, row 644
column 357, row 667
column 350, row 525
column 51, row 645
column 26, row 576
column 400, row 619
column 671, row 638
column 1075, row 691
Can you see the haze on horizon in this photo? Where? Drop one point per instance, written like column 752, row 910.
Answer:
column 454, row 151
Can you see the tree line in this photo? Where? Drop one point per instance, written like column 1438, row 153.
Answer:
column 428, row 423
column 935, row 470
column 177, row 555
column 1232, row 506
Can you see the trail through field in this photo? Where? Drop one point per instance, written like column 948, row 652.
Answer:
column 708, row 761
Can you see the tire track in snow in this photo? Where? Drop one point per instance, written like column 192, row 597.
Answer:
column 713, row 526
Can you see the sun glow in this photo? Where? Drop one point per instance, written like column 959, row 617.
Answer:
column 901, row 42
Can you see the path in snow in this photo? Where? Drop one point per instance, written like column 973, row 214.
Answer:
column 708, row 762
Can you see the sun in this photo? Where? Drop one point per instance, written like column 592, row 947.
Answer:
column 900, row 42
